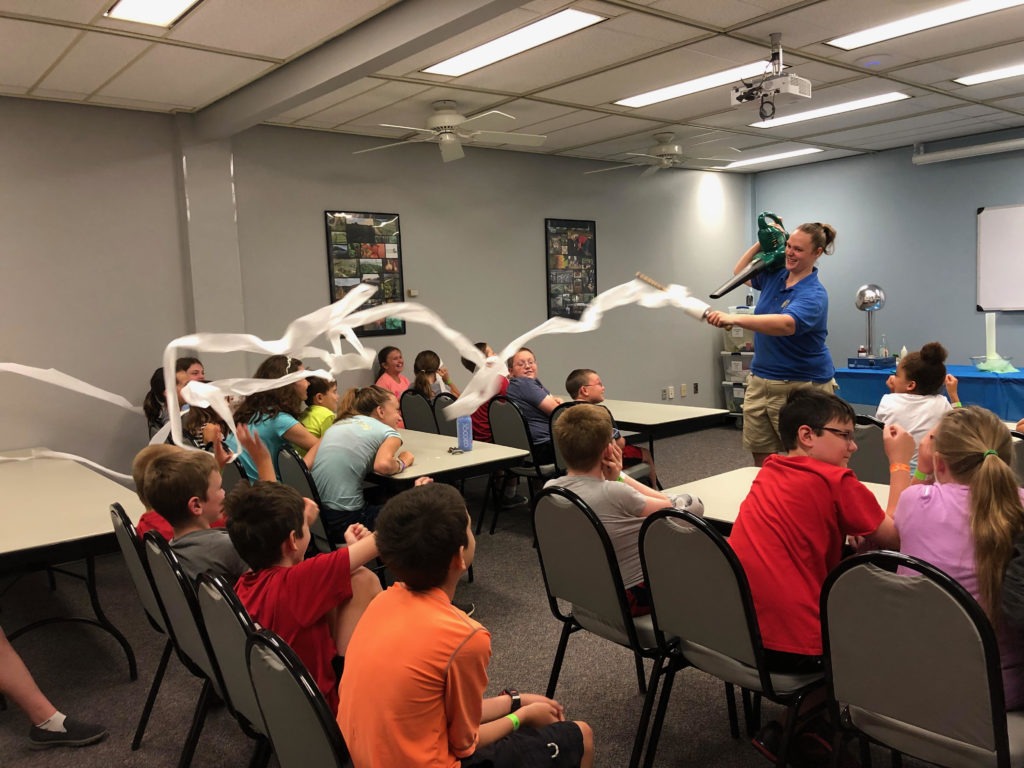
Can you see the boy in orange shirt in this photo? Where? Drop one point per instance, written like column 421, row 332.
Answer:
column 416, row 669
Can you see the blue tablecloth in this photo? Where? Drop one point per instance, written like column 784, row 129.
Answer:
column 1001, row 393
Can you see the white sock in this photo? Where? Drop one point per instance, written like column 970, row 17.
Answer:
column 54, row 722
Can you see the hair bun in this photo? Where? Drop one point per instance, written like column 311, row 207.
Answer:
column 933, row 353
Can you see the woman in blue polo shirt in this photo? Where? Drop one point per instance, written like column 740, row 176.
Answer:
column 790, row 324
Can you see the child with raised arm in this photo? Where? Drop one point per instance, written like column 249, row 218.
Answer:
column 916, row 402
column 412, row 693
column 363, row 439
column 431, row 376
column 790, row 528
column 312, row 604
column 594, row 461
column 966, row 522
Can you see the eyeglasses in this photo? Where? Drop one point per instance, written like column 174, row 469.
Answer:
column 843, row 434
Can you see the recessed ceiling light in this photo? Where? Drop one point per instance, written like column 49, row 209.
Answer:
column 835, row 109
column 159, row 13
column 770, row 158
column 700, row 84
column 993, row 74
column 919, row 21
column 530, row 36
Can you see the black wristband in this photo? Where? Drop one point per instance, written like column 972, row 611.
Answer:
column 517, row 701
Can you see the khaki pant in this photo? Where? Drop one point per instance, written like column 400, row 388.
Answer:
column 761, row 406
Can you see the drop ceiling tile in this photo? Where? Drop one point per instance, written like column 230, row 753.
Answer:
column 530, row 113
column 91, row 61
column 328, row 100
column 131, row 103
column 721, row 13
column 596, row 130
column 569, row 119
column 28, row 49
column 362, row 104
column 81, row 11
column 270, row 27
column 173, row 75
column 14, row 90
column 641, row 76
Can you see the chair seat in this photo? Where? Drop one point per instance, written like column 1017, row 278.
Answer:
column 531, row 470
column 733, row 671
column 935, row 747
column 639, row 471
column 593, row 623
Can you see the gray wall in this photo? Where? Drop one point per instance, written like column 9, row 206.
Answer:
column 92, row 278
column 473, row 245
column 913, row 231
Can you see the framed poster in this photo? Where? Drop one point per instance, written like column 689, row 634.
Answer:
column 571, row 266
column 366, row 248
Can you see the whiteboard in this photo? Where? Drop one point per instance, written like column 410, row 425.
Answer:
column 1001, row 258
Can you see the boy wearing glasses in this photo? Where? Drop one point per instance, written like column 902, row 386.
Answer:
column 802, row 505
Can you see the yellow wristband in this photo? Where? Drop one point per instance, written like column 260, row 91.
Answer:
column 919, row 475
column 898, row 467
column 957, row 404
column 515, row 720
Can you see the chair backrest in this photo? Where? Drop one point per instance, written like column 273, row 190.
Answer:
column 445, row 426
column 699, row 591
column 233, row 476
column 228, row 627
column 1018, row 456
column 131, row 548
column 555, row 416
column 508, row 425
column 177, row 597
column 869, row 461
column 298, row 720
column 578, row 563
column 417, row 413
column 914, row 659
column 296, row 474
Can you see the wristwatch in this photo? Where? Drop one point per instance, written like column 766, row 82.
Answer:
column 517, row 701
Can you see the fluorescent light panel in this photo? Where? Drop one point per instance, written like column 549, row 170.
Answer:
column 530, row 36
column 993, row 74
column 920, row 21
column 159, row 13
column 700, row 84
column 771, row 158
column 835, row 109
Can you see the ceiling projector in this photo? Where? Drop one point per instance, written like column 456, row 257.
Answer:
column 778, row 85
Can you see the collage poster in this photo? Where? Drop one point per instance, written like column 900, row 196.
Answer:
column 366, row 248
column 571, row 266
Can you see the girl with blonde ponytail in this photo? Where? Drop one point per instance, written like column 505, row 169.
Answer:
column 966, row 522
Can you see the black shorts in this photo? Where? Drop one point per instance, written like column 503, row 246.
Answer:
column 559, row 745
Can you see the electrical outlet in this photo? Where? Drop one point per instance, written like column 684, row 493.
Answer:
column 664, row 394
column 695, row 387
column 682, row 390
column 671, row 393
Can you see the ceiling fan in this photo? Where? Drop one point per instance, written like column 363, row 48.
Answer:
column 445, row 128
column 664, row 154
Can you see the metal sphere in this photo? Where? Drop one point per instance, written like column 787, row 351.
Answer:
column 870, row 298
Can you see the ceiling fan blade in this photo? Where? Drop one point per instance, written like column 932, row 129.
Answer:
column 489, row 112
column 651, row 171
column 407, row 128
column 451, row 150
column 613, row 168
column 385, row 146
column 501, row 137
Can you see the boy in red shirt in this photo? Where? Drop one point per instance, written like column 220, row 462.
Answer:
column 802, row 505
column 312, row 604
column 412, row 692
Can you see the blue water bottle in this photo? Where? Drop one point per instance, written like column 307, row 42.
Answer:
column 464, row 429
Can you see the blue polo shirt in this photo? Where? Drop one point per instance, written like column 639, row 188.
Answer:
column 527, row 394
column 802, row 356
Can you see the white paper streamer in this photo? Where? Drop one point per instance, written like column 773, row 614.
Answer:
column 46, row 453
column 59, row 379
column 336, row 321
